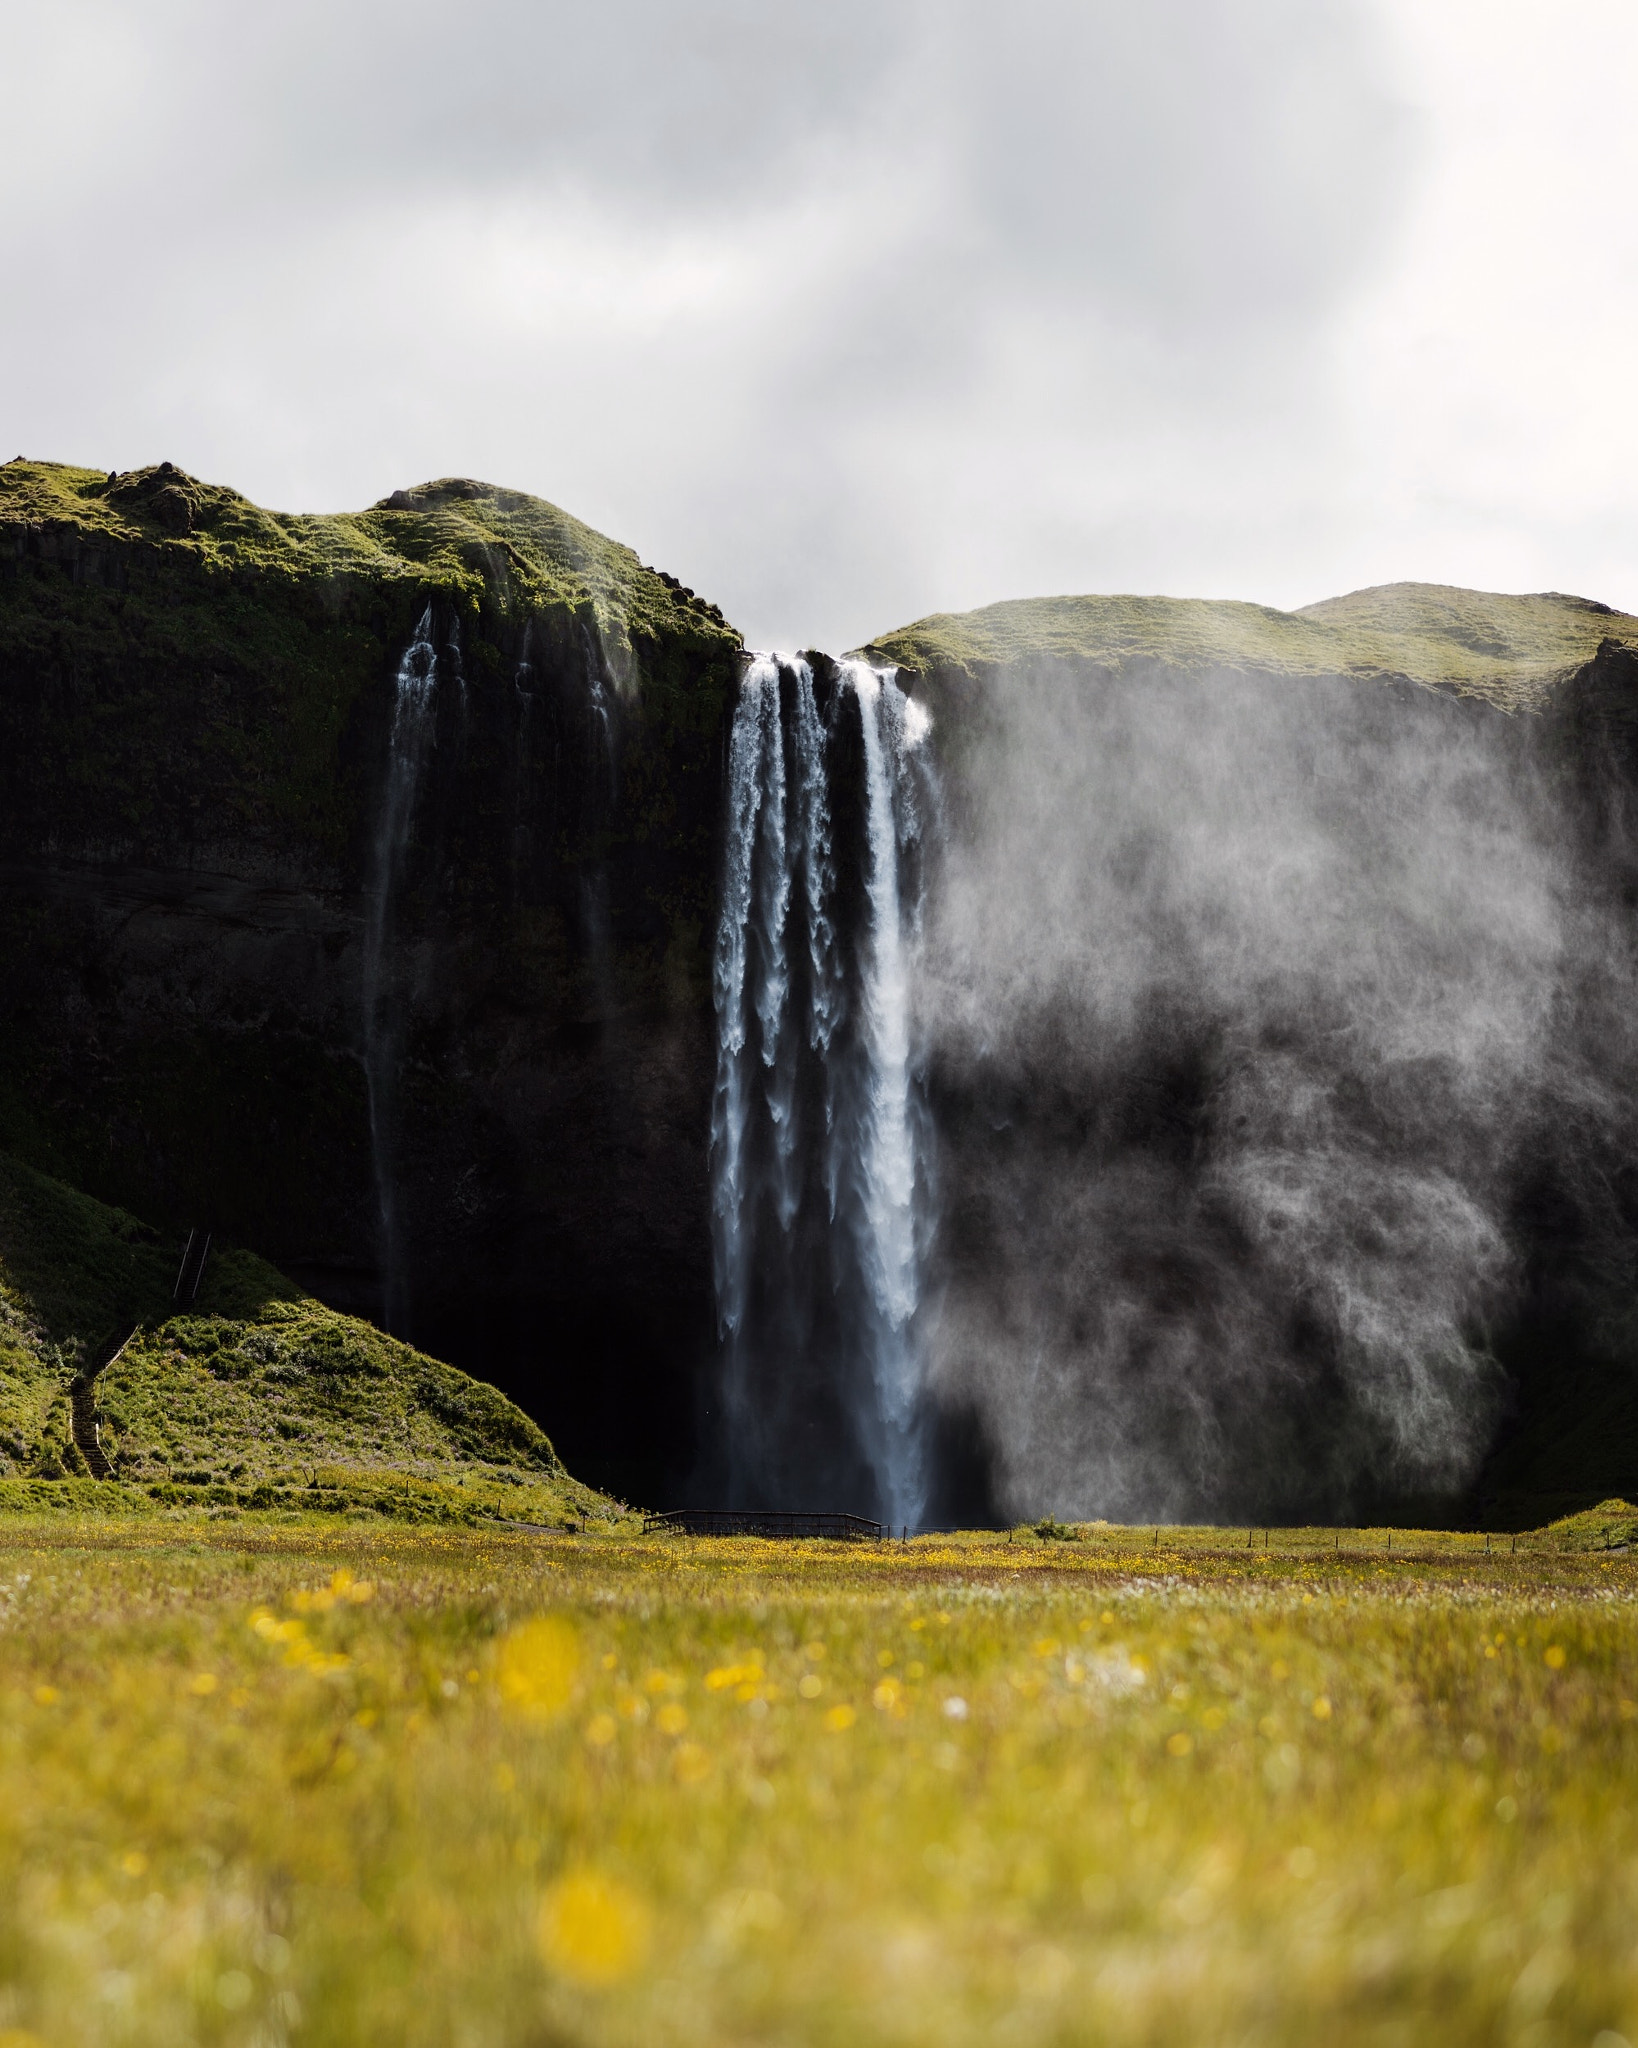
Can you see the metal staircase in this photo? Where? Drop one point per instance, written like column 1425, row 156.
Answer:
column 82, row 1404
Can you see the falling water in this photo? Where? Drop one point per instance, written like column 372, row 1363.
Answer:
column 886, row 1225
column 412, row 724
column 818, row 1179
column 599, row 798
column 758, row 707
column 602, row 719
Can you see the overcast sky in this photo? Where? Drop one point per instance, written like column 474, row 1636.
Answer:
column 853, row 311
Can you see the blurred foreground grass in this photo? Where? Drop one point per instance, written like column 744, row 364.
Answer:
column 343, row 1785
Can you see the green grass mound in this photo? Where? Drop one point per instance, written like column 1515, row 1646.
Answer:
column 1612, row 1525
column 1509, row 650
column 257, row 1399
column 336, row 1492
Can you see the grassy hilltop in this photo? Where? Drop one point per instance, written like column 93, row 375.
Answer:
column 477, row 544
column 255, row 1400
column 207, row 662
column 1508, row 651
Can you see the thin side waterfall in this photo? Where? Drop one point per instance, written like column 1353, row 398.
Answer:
column 599, row 801
column 818, row 1159
column 409, row 741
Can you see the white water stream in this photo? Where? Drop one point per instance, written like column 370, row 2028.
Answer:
column 411, row 735
column 817, row 1174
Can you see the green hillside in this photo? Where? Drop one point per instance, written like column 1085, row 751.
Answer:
column 469, row 540
column 1510, row 651
column 178, row 665
column 256, row 1399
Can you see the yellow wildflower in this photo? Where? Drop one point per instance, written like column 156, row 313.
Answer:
column 538, row 1664
column 691, row 1763
column 726, row 1675
column 593, row 1930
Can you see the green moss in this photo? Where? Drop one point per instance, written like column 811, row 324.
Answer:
column 1611, row 1525
column 73, row 1271
column 1511, row 651
column 470, row 542
column 205, row 659
column 255, row 1399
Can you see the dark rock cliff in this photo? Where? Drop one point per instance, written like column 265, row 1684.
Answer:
column 196, row 701
column 1276, row 1009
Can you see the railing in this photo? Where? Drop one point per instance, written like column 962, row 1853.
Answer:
column 192, row 1272
column 751, row 1522
column 85, row 1424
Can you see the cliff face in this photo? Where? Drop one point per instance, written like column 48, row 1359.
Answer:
column 197, row 705
column 1274, row 1012
column 1277, row 1018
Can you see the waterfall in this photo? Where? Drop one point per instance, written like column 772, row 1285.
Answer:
column 599, row 799
column 886, row 1146
column 410, row 737
column 732, row 1244
column 817, row 1154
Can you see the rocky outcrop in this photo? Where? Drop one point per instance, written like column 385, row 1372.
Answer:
column 196, row 705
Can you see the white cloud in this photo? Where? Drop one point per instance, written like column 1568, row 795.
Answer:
column 850, row 312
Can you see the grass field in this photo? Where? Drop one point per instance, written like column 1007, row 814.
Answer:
column 382, row 1784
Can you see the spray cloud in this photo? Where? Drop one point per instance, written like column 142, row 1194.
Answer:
column 1251, row 1006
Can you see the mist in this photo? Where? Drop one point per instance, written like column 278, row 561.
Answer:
column 1251, row 1012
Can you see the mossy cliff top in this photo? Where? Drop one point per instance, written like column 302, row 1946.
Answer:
column 187, row 679
column 1509, row 651
column 464, row 540
column 256, row 1397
